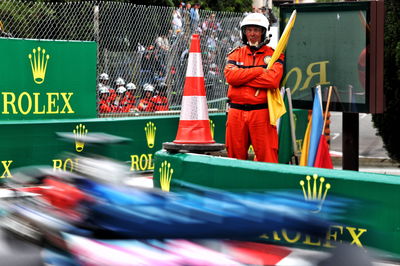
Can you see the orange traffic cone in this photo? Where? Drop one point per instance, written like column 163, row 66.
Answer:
column 194, row 133
column 194, row 124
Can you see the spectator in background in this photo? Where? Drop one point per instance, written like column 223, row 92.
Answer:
column 181, row 8
column 194, row 18
column 235, row 37
column 120, row 90
column 177, row 19
column 159, row 67
column 103, row 81
column 162, row 43
column 140, row 48
column 213, row 72
column 160, row 100
column 147, row 64
column 186, row 17
column 146, row 103
column 104, row 93
column 211, row 25
column 269, row 14
column 129, row 100
column 212, row 42
column 104, row 102
column 162, row 47
column 223, row 48
column 213, row 78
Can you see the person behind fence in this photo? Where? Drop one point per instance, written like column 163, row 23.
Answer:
column 211, row 25
column 147, row 65
column 129, row 100
column 186, row 17
column 119, row 95
column 177, row 19
column 212, row 78
column 194, row 18
column 103, row 81
column 160, row 100
column 104, row 102
column 214, row 74
column 267, row 12
column 104, row 93
column 162, row 43
column 246, row 72
column 146, row 103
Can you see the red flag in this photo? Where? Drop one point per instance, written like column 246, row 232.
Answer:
column 323, row 158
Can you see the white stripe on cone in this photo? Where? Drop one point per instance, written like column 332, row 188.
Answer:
column 193, row 69
column 195, row 113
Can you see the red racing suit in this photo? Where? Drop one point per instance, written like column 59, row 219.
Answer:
column 104, row 106
column 146, row 105
column 248, row 116
column 160, row 103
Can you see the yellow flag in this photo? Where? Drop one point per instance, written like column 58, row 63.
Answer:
column 282, row 43
column 306, row 145
column 276, row 105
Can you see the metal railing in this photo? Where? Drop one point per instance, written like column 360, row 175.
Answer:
column 141, row 44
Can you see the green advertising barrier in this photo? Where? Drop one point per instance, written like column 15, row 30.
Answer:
column 374, row 222
column 36, row 142
column 47, row 79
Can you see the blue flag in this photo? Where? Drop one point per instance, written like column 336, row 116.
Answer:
column 316, row 126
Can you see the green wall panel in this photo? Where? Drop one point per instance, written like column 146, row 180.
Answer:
column 26, row 143
column 373, row 220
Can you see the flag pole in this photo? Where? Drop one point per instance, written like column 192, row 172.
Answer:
column 282, row 43
column 292, row 127
column 327, row 108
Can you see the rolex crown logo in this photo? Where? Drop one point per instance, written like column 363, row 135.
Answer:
column 39, row 61
column 150, row 130
column 315, row 191
column 212, row 127
column 80, row 131
column 165, row 176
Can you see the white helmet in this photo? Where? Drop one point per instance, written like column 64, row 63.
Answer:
column 120, row 89
column 104, row 89
column 255, row 19
column 130, row 86
column 103, row 76
column 120, row 81
column 148, row 87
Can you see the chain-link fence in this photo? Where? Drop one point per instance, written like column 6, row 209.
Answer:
column 144, row 45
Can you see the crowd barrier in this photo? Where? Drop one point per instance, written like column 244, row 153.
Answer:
column 36, row 142
column 372, row 222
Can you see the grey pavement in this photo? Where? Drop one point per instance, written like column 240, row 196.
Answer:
column 372, row 155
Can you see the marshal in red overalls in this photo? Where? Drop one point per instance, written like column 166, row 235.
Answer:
column 246, row 71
